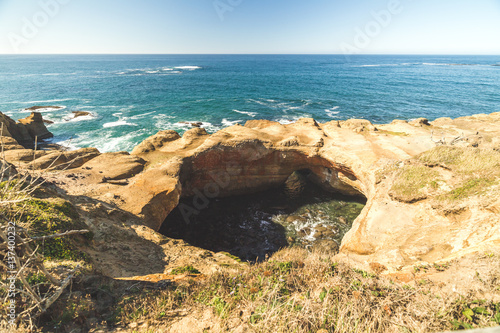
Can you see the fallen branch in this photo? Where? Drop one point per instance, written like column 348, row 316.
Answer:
column 67, row 233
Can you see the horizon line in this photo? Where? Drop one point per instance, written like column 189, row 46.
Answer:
column 326, row 54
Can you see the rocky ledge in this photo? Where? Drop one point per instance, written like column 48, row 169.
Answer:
column 432, row 188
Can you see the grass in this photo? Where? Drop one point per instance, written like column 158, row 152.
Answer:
column 185, row 269
column 392, row 133
column 300, row 291
column 52, row 216
column 475, row 172
column 413, row 183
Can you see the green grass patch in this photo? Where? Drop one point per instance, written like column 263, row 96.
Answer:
column 231, row 256
column 471, row 187
column 185, row 269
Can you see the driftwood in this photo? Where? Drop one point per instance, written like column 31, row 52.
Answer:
column 453, row 141
column 26, row 259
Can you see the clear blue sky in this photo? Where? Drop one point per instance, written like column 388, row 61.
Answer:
column 250, row 26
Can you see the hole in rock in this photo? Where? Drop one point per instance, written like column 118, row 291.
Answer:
column 253, row 226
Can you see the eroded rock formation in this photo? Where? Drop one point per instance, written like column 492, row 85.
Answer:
column 352, row 157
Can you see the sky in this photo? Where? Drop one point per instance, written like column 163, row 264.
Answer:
column 250, row 26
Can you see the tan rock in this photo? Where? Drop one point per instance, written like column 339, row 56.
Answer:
column 358, row 125
column 16, row 131
column 35, row 126
column 155, row 142
column 352, row 159
column 9, row 143
column 116, row 166
column 420, row 122
column 57, row 160
column 23, row 155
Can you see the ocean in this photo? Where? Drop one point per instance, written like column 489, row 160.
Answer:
column 131, row 97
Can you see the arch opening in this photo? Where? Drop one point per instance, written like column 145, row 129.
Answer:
column 300, row 208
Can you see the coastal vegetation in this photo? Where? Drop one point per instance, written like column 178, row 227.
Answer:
column 420, row 256
column 301, row 291
column 475, row 173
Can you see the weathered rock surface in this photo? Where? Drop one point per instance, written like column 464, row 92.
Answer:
column 16, row 131
column 36, row 127
column 352, row 157
column 26, row 130
column 116, row 166
column 77, row 114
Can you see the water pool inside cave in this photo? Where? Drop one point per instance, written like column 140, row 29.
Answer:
column 255, row 226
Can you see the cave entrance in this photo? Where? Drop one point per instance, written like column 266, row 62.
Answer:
column 254, row 226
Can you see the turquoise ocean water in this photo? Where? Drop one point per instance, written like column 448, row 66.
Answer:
column 132, row 97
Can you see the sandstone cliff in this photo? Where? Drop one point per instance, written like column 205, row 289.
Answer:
column 432, row 188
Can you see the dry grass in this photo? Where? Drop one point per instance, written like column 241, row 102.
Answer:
column 298, row 291
column 414, row 182
column 474, row 171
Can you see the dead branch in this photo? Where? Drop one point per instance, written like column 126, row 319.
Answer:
column 67, row 233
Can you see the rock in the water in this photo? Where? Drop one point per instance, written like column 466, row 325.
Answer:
column 39, row 107
column 77, row 114
column 192, row 123
column 35, row 126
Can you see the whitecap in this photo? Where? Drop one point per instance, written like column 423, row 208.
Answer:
column 104, row 140
column 118, row 123
column 248, row 113
column 188, row 67
column 43, row 101
column 258, row 102
column 72, row 118
column 290, row 120
column 228, row 123
column 331, row 112
column 140, row 116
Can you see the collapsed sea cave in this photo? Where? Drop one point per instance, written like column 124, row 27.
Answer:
column 299, row 212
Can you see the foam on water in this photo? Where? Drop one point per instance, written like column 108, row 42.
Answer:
column 251, row 114
column 42, row 101
column 227, row 123
column 158, row 92
column 72, row 118
column 290, row 120
column 332, row 113
column 122, row 121
column 188, row 67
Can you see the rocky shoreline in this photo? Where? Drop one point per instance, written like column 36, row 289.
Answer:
column 124, row 198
